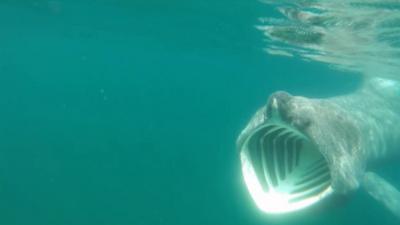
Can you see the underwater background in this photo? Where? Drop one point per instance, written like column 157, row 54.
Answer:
column 127, row 112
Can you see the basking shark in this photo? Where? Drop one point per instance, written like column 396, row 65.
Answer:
column 297, row 151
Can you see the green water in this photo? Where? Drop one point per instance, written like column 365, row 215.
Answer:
column 126, row 112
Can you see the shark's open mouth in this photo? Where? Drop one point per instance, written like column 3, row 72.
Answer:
column 283, row 169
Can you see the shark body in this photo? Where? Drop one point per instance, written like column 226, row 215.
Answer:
column 296, row 151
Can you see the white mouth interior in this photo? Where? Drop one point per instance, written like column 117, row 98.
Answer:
column 283, row 170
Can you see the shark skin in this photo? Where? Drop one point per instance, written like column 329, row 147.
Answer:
column 350, row 132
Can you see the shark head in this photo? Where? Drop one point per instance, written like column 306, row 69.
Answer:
column 297, row 151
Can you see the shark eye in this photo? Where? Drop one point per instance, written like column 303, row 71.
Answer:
column 283, row 169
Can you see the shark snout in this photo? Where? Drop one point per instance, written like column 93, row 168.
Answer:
column 288, row 108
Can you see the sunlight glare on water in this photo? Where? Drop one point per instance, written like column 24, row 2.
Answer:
column 357, row 36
